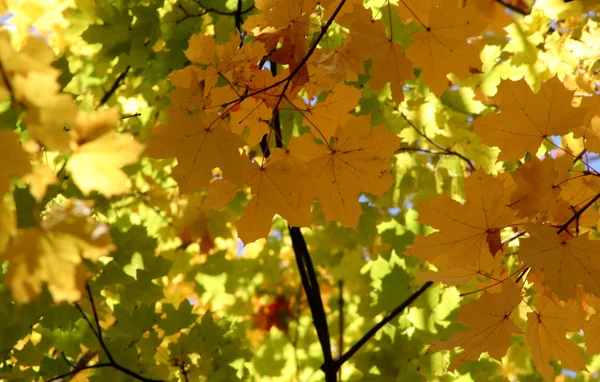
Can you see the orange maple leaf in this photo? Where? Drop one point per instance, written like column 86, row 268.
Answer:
column 368, row 40
column 464, row 229
column 546, row 335
column 527, row 118
column 539, row 186
column 488, row 325
column 565, row 263
column 324, row 117
column 483, row 267
column 199, row 146
column 357, row 162
column 442, row 47
column 275, row 188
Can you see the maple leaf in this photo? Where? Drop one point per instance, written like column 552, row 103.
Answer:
column 464, row 229
column 288, row 22
column 564, row 262
column 368, row 40
column 442, row 47
column 546, row 334
column 189, row 92
column 101, row 153
column 527, row 118
column 488, row 323
column 8, row 223
column 53, row 254
column 199, row 146
column 484, row 267
column 39, row 179
column 591, row 328
column 324, row 117
column 275, row 187
column 250, row 119
column 539, row 186
column 14, row 161
column 416, row 10
column 357, row 162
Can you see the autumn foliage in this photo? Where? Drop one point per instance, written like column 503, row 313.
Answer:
column 299, row 190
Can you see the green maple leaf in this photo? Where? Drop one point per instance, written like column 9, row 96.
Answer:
column 177, row 319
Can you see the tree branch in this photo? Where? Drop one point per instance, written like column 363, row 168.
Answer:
column 295, row 71
column 114, row 87
column 313, row 295
column 75, row 371
column 577, row 214
column 444, row 150
column 389, row 317
column 97, row 330
column 513, row 8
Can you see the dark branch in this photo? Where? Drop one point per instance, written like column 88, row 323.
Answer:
column 75, row 371
column 577, row 214
column 514, row 8
column 286, row 81
column 114, row 86
column 341, row 322
column 237, row 13
column 97, row 330
column 131, row 116
column 313, row 295
column 389, row 317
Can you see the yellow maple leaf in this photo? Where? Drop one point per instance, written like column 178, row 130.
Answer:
column 527, row 118
column 417, row 10
column 14, row 161
column 324, row 117
column 53, row 254
column 539, row 185
column 488, row 323
column 442, row 47
column 546, row 335
column 8, row 222
column 189, row 90
column 368, row 40
column 101, row 153
column 591, row 328
column 275, row 190
column 39, row 179
column 465, row 229
column 484, row 267
column 357, row 162
column 250, row 119
column 565, row 263
column 199, row 145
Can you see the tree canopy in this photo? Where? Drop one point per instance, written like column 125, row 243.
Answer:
column 310, row 190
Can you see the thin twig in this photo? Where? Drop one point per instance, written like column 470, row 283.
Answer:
column 97, row 322
column 389, row 317
column 73, row 372
column 445, row 150
column 226, row 13
column 340, row 324
column 577, row 214
column 97, row 330
column 513, row 237
column 295, row 71
column 114, row 86
column 131, row 116
column 513, row 8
